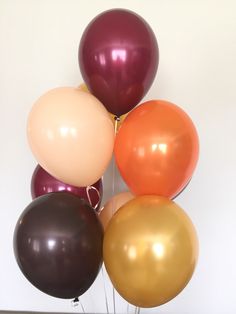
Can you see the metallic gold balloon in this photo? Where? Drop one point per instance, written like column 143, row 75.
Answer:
column 150, row 250
column 84, row 88
column 112, row 206
column 117, row 121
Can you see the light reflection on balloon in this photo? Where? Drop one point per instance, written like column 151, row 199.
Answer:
column 58, row 244
column 156, row 149
column 150, row 250
column 118, row 58
column 71, row 135
column 42, row 183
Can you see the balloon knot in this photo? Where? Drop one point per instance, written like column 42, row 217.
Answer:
column 117, row 118
column 75, row 302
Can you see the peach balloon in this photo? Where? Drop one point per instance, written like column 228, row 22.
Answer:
column 112, row 206
column 117, row 121
column 71, row 135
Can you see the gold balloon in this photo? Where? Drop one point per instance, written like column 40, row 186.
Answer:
column 150, row 250
column 112, row 206
column 84, row 88
column 116, row 121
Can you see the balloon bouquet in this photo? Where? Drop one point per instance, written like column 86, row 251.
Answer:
column 150, row 246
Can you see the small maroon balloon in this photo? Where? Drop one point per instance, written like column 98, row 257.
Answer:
column 42, row 183
column 118, row 58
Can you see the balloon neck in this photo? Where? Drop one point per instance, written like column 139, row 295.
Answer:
column 117, row 120
column 75, row 302
column 88, row 189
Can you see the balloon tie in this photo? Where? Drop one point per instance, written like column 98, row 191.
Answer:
column 117, row 120
column 77, row 302
column 88, row 189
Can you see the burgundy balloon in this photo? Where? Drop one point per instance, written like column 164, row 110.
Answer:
column 42, row 183
column 58, row 244
column 118, row 58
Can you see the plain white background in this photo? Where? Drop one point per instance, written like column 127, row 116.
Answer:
column 197, row 40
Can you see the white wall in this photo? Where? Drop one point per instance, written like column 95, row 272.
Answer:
column 197, row 40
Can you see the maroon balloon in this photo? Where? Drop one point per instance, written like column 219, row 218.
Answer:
column 42, row 183
column 58, row 244
column 118, row 58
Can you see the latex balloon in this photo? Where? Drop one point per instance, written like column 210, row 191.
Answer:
column 150, row 250
column 156, row 149
column 58, row 244
column 112, row 206
column 181, row 190
column 71, row 135
column 117, row 121
column 42, row 183
column 84, row 88
column 118, row 58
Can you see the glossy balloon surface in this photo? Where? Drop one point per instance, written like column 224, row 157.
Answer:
column 58, row 244
column 150, row 250
column 118, row 58
column 156, row 149
column 42, row 183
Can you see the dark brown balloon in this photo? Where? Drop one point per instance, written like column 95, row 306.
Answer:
column 58, row 244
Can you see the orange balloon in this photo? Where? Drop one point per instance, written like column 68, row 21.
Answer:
column 156, row 149
column 112, row 206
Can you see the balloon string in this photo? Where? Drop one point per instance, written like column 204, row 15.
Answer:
column 88, row 189
column 105, row 291
column 127, row 308
column 82, row 306
column 114, row 300
column 137, row 310
column 117, row 120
